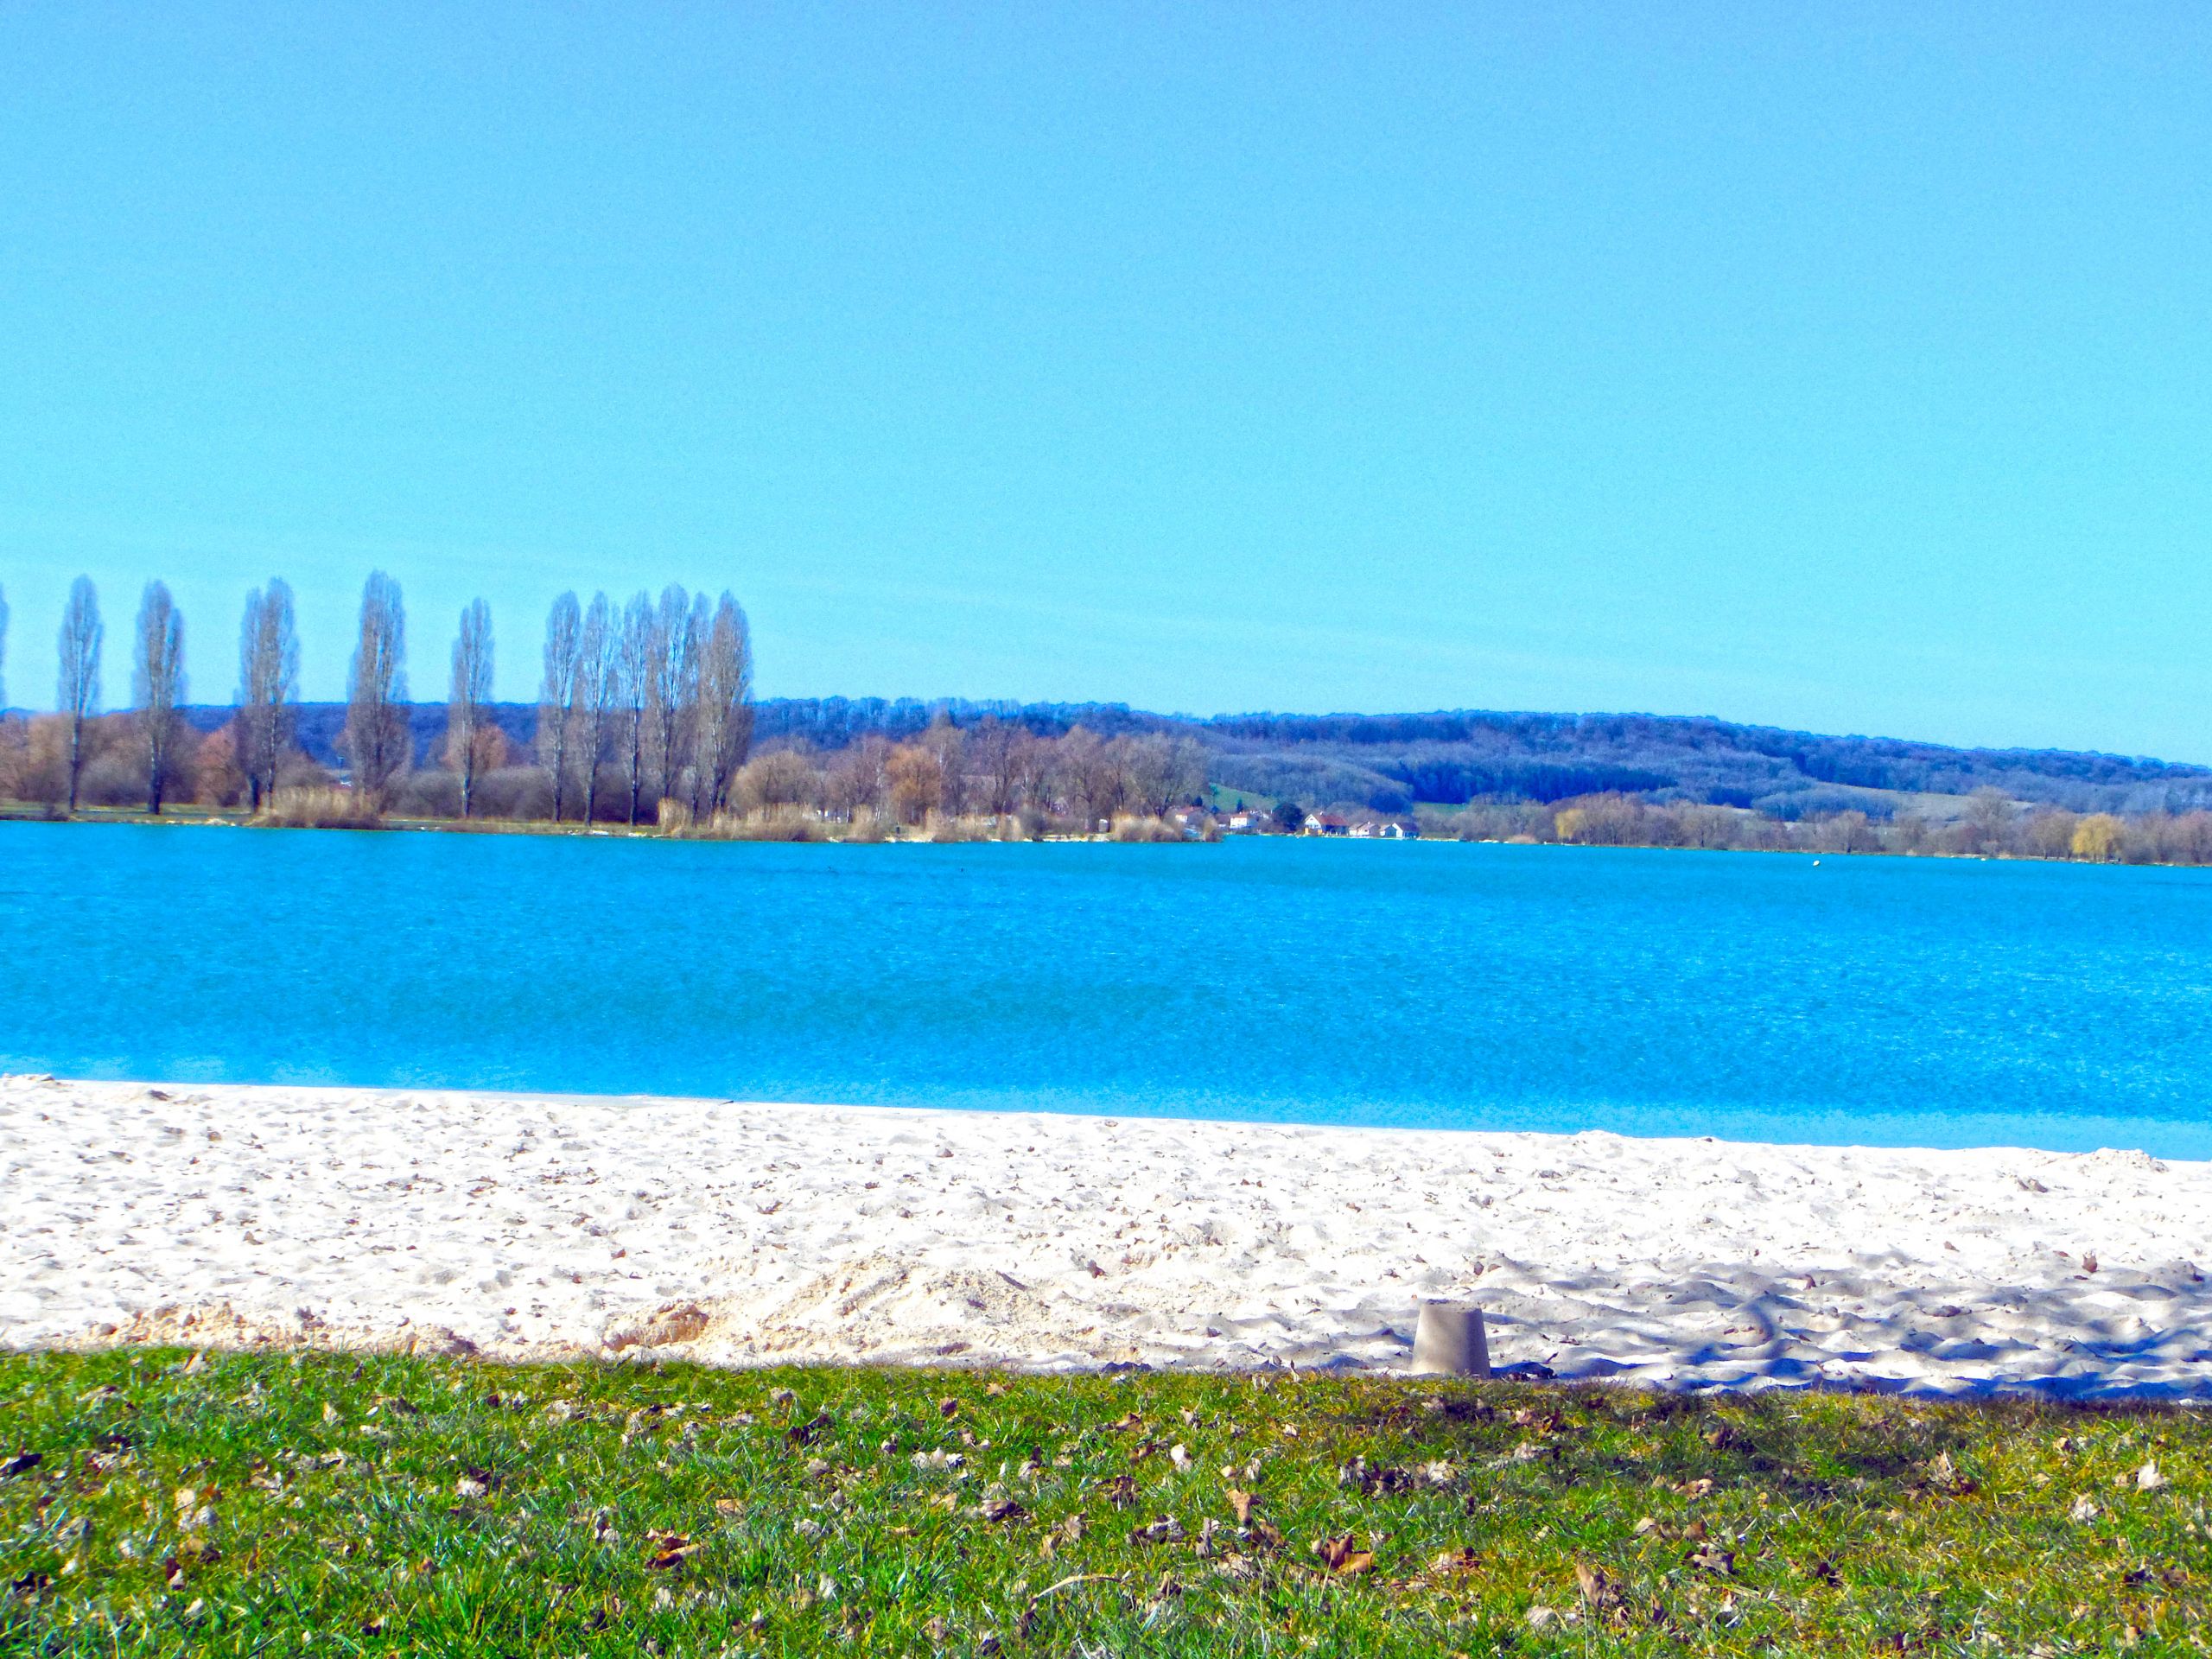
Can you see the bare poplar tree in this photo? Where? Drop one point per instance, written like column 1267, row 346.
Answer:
column 375, row 739
column 4, row 648
column 157, row 687
column 269, row 681
column 676, row 687
column 725, row 700
column 641, row 627
column 599, row 662
column 79, row 650
column 556, row 697
column 472, row 697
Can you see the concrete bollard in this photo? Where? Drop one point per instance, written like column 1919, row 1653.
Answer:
column 1450, row 1342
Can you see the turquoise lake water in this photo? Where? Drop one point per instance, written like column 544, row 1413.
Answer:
column 1873, row 1000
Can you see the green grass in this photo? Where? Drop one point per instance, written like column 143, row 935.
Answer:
column 259, row 1504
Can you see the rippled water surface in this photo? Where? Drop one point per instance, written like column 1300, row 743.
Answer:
column 1894, row 1001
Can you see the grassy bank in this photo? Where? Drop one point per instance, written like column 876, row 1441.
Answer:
column 156, row 1502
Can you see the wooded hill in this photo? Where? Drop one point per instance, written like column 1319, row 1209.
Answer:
column 1388, row 762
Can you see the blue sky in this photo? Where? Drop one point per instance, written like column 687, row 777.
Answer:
column 1837, row 368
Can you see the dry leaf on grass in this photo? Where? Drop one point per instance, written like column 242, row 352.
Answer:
column 1240, row 1501
column 670, row 1550
column 1339, row 1557
column 1715, row 1559
column 1597, row 1588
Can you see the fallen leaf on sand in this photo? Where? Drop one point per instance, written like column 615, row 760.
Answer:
column 1337, row 1557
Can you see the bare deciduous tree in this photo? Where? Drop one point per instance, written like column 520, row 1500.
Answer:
column 598, row 664
column 725, row 700
column 640, row 655
column 157, row 687
column 3, row 649
column 377, row 740
column 472, row 697
column 556, row 697
column 915, row 773
column 992, row 754
column 1161, row 771
column 269, row 680
column 79, row 648
column 675, row 688
column 858, row 776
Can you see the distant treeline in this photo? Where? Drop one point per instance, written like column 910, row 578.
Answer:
column 1990, row 825
column 646, row 715
column 1388, row 764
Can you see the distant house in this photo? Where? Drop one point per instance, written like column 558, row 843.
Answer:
column 1379, row 830
column 1324, row 824
column 1245, row 821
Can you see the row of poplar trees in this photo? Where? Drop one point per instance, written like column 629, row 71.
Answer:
column 653, row 698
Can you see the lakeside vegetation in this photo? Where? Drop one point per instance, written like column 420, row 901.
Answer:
column 155, row 1502
column 646, row 719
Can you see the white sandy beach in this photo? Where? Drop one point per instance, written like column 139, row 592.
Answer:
column 520, row 1226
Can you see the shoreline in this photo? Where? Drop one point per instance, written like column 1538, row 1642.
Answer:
column 770, row 834
column 559, row 1226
